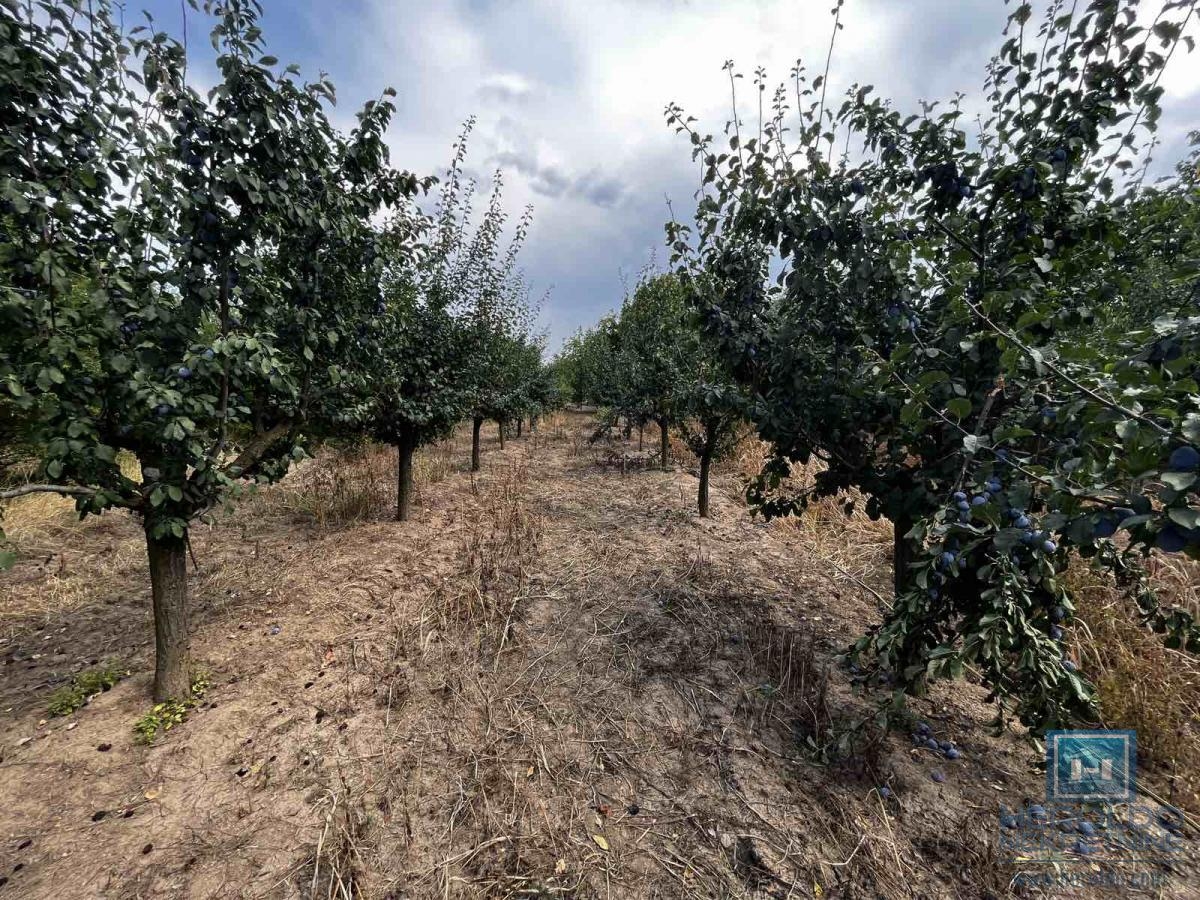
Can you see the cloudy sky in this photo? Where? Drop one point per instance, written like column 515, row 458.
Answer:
column 569, row 97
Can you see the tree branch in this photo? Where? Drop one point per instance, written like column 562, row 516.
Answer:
column 1049, row 366
column 260, row 444
column 1055, row 370
column 63, row 489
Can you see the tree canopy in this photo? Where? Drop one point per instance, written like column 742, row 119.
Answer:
column 199, row 281
column 987, row 328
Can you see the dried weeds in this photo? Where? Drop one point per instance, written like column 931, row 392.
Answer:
column 554, row 681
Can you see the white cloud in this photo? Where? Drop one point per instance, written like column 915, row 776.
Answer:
column 569, row 96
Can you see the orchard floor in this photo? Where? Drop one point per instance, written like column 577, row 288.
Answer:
column 555, row 681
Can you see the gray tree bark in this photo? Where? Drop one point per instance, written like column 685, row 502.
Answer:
column 168, row 591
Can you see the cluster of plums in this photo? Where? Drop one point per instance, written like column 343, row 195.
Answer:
column 906, row 319
column 1025, row 184
column 947, row 184
column 1036, row 816
column 1171, row 538
column 923, row 737
column 191, row 137
column 964, row 505
column 183, row 373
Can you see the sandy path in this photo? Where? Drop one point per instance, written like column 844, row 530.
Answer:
column 555, row 681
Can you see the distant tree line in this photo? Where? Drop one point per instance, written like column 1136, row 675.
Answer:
column 651, row 362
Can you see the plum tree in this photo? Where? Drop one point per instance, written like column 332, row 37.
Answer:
column 708, row 415
column 453, row 334
column 520, row 387
column 713, row 403
column 183, row 274
column 584, row 365
column 416, row 392
column 656, row 351
column 539, row 394
column 413, row 381
column 932, row 336
column 501, row 322
column 653, row 362
column 479, row 278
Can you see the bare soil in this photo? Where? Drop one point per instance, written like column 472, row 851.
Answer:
column 555, row 681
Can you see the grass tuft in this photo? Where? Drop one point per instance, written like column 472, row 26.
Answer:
column 83, row 687
column 166, row 715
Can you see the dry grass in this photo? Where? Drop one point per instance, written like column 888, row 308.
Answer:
column 338, row 858
column 78, row 562
column 856, row 549
column 353, row 484
column 1177, row 579
column 554, row 682
column 337, row 488
column 73, row 561
column 38, row 524
column 1141, row 683
column 90, row 560
column 499, row 541
column 795, row 675
column 747, row 457
column 32, row 521
column 554, row 427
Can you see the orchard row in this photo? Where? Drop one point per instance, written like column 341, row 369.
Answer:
column 211, row 284
column 650, row 363
column 985, row 325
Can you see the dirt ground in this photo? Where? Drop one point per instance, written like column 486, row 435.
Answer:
column 556, row 681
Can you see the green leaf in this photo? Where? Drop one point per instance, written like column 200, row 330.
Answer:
column 1179, row 481
column 1191, row 427
column 1184, row 517
column 959, row 407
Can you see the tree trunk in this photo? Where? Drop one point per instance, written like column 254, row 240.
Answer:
column 475, row 426
column 628, row 427
column 901, row 553
column 168, row 590
column 641, row 432
column 501, row 424
column 404, row 476
column 705, row 465
column 520, row 425
column 662, row 424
